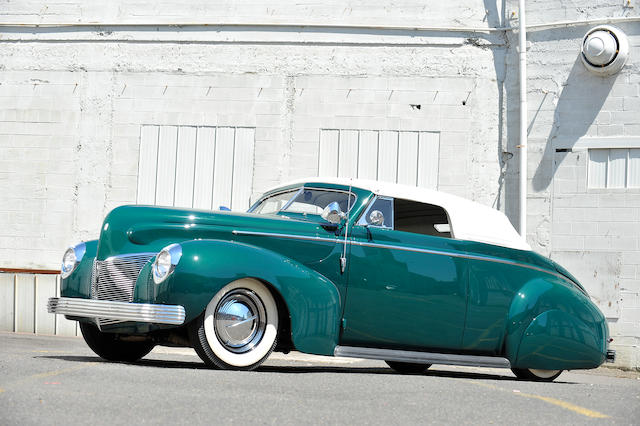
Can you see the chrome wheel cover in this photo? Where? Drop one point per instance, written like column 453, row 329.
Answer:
column 240, row 320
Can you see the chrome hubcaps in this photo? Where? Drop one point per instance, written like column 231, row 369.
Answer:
column 240, row 320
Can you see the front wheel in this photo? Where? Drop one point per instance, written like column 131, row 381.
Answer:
column 408, row 367
column 536, row 375
column 107, row 345
column 239, row 328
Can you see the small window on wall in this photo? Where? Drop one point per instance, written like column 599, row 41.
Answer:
column 614, row 168
column 420, row 218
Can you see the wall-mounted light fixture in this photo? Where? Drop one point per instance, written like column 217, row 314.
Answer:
column 605, row 50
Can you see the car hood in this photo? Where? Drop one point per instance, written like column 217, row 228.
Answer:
column 136, row 229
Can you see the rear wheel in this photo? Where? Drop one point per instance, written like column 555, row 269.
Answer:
column 239, row 328
column 107, row 345
column 536, row 374
column 408, row 367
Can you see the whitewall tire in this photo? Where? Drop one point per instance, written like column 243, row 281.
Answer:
column 536, row 374
column 239, row 327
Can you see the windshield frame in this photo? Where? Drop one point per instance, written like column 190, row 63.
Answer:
column 295, row 195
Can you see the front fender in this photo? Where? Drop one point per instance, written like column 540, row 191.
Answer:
column 554, row 326
column 78, row 284
column 208, row 265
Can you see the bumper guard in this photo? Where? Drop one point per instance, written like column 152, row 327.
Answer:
column 138, row 312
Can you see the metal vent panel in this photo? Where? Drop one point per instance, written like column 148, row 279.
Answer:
column 114, row 279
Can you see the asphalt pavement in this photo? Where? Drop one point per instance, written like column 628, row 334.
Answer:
column 58, row 380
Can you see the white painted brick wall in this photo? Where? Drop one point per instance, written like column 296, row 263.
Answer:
column 70, row 113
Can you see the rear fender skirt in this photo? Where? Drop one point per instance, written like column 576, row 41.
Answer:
column 556, row 340
column 552, row 325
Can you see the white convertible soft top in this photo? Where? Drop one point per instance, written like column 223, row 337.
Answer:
column 469, row 220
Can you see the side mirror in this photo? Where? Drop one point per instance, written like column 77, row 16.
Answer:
column 376, row 218
column 332, row 213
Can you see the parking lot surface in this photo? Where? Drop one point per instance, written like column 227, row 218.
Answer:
column 56, row 380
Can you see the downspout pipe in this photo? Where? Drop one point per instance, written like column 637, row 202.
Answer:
column 523, row 120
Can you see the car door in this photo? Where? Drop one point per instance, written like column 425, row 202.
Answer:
column 406, row 288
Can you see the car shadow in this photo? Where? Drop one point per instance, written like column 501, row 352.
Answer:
column 296, row 369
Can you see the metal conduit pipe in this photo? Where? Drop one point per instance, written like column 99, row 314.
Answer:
column 523, row 120
column 319, row 26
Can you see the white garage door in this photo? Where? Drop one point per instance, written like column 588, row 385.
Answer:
column 409, row 158
column 200, row 167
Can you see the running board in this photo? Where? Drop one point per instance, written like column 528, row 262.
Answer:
column 421, row 357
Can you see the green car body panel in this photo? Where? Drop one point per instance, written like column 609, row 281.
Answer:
column 399, row 291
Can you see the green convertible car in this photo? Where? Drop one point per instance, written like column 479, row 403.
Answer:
column 338, row 267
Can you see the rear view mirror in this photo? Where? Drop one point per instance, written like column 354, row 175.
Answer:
column 376, row 218
column 332, row 213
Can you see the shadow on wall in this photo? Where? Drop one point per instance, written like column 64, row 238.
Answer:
column 582, row 97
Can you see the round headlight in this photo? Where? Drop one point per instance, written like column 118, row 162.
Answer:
column 166, row 262
column 68, row 262
column 71, row 258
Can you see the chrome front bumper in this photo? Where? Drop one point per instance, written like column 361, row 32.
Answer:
column 123, row 311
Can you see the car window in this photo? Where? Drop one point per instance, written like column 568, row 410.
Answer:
column 372, row 217
column 421, row 218
column 313, row 201
column 303, row 200
column 274, row 203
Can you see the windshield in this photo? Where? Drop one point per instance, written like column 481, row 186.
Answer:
column 303, row 200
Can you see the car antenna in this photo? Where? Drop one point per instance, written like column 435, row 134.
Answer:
column 343, row 258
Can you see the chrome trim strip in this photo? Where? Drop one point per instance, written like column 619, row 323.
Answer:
column 411, row 249
column 459, row 255
column 289, row 236
column 120, row 256
column 123, row 311
column 421, row 357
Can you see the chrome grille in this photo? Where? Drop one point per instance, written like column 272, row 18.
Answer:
column 115, row 278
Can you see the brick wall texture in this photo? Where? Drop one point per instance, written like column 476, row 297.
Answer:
column 73, row 100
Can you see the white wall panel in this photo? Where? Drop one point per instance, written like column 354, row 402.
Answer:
column 25, row 297
column 634, row 168
column 388, row 157
column 408, row 158
column 166, row 173
column 147, row 165
column 201, row 167
column 223, row 171
column 6, row 302
column 348, row 154
column 185, row 166
column 242, row 168
column 368, row 155
column 65, row 327
column 617, row 177
column 29, row 293
column 328, row 153
column 428, row 160
column 205, row 157
column 598, row 159
column 45, row 288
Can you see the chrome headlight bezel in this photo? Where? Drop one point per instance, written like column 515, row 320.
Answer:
column 71, row 258
column 165, row 262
